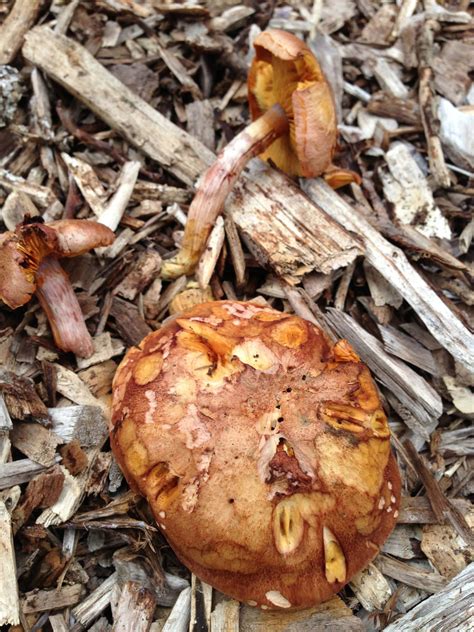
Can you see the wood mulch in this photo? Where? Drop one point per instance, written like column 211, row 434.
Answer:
column 116, row 107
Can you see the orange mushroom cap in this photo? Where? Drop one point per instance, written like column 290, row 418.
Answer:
column 285, row 71
column 262, row 449
column 22, row 250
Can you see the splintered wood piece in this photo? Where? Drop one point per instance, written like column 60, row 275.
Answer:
column 115, row 208
column 406, row 187
column 144, row 270
column 443, row 508
column 6, row 423
column 236, row 252
column 445, row 549
column 407, row 348
column 402, row 542
column 71, row 386
column 57, row 622
column 414, row 392
column 16, row 207
column 426, row 95
column 135, row 608
column 18, row 472
column 302, row 237
column 68, row 501
column 225, row 616
column 105, row 347
column 9, row 601
column 417, row 510
column 128, row 322
column 410, row 574
column 20, row 397
column 330, row 615
column 37, row 443
column 371, row 588
column 178, row 619
column 450, row 609
column 86, row 424
column 55, row 599
column 22, row 15
column 43, row 491
column 210, row 256
column 88, row 183
column 392, row 263
column 41, row 195
column 95, row 603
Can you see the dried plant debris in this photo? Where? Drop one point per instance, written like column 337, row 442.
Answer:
column 110, row 111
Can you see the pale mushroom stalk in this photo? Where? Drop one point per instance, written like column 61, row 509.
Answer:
column 60, row 304
column 294, row 127
column 217, row 183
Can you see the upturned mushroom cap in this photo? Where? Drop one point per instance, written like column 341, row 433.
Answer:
column 263, row 451
column 285, row 71
column 22, row 250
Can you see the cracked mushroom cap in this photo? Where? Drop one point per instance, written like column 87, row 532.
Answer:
column 285, row 71
column 262, row 450
column 22, row 250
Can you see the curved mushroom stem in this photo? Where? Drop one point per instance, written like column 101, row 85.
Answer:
column 217, row 183
column 57, row 298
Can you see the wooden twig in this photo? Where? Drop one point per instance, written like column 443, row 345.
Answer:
column 392, row 264
column 410, row 574
column 19, row 20
column 425, row 43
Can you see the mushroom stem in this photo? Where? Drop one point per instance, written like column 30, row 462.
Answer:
column 57, row 298
column 217, row 183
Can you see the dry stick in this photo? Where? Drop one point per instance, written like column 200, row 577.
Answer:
column 302, row 237
column 425, row 43
column 17, row 23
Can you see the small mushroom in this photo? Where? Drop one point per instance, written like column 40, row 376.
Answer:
column 262, row 449
column 29, row 264
column 294, row 126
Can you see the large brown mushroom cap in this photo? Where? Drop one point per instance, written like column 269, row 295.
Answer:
column 263, row 451
column 285, row 71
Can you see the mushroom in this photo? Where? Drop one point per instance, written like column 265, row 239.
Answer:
column 294, row 126
column 262, row 449
column 29, row 263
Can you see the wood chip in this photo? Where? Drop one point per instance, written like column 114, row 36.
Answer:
column 331, row 615
column 408, row 349
column 130, row 325
column 371, row 588
column 145, row 269
column 37, row 443
column 135, row 608
column 450, row 609
column 410, row 574
column 45, row 600
column 22, row 15
column 9, row 601
column 20, row 397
